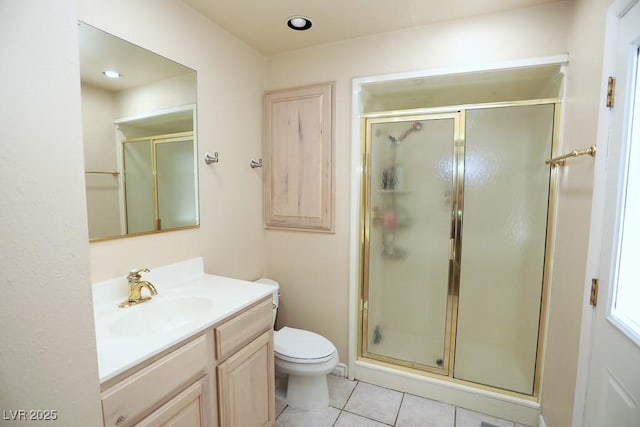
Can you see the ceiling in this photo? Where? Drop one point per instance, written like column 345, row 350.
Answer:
column 100, row 51
column 262, row 23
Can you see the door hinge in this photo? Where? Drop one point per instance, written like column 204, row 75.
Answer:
column 611, row 88
column 593, row 297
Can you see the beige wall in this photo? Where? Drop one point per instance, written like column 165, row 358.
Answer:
column 230, row 87
column 584, row 82
column 157, row 96
column 98, row 136
column 48, row 353
column 313, row 268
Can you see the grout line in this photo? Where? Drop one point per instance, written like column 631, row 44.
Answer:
column 337, row 418
column 350, row 394
column 369, row 418
column 345, row 402
column 399, row 407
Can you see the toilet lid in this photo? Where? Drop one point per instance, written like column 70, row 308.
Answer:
column 300, row 344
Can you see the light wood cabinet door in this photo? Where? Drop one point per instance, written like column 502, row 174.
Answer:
column 298, row 157
column 187, row 409
column 131, row 399
column 246, row 385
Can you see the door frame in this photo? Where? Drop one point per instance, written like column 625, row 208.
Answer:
column 504, row 406
column 408, row 116
column 357, row 176
column 617, row 9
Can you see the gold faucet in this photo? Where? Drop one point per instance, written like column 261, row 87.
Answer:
column 135, row 288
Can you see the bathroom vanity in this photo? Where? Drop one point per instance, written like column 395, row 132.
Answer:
column 200, row 353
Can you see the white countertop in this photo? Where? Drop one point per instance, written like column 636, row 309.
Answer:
column 127, row 336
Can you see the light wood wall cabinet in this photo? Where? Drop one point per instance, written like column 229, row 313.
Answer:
column 298, row 158
column 223, row 377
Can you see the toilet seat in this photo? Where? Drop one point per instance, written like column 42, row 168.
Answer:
column 300, row 346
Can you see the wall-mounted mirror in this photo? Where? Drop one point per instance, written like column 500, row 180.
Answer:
column 139, row 135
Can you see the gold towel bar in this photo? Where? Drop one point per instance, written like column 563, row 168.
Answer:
column 114, row 173
column 560, row 160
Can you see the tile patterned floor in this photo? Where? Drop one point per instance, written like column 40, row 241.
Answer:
column 358, row 404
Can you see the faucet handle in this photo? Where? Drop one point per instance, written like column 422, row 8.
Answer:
column 134, row 275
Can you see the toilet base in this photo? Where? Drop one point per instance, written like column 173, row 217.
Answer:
column 307, row 385
column 307, row 392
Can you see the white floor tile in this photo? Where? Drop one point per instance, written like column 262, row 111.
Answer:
column 291, row 417
column 340, row 389
column 280, row 405
column 374, row 402
column 419, row 412
column 466, row 418
column 367, row 405
column 347, row 419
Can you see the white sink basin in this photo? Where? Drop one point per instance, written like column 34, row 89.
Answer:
column 160, row 316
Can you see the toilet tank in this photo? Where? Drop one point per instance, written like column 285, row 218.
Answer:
column 276, row 294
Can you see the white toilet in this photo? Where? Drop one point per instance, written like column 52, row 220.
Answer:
column 306, row 357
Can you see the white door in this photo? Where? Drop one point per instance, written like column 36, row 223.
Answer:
column 613, row 373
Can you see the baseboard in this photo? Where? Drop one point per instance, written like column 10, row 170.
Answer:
column 340, row 370
column 541, row 422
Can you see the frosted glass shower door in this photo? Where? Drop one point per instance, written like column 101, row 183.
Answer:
column 506, row 194
column 408, row 227
column 139, row 186
column 176, row 171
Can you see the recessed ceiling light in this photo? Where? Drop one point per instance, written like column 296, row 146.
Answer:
column 112, row 74
column 299, row 23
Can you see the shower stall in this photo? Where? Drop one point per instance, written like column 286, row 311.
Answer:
column 455, row 217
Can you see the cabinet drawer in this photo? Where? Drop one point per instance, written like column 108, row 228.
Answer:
column 235, row 333
column 186, row 409
column 132, row 398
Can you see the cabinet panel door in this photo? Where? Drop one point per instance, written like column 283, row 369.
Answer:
column 246, row 385
column 298, row 158
column 134, row 397
column 187, row 409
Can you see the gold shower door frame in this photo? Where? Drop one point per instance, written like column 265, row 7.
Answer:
column 458, row 114
column 153, row 142
column 458, row 118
